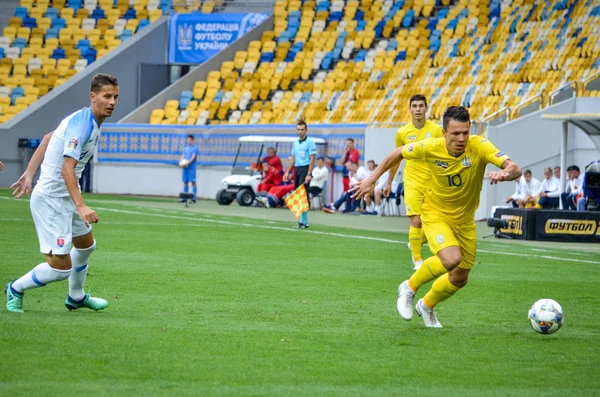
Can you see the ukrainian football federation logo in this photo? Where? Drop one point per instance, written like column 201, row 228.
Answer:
column 442, row 164
column 411, row 138
column 60, row 242
column 428, row 135
column 439, row 238
column 466, row 162
column 184, row 37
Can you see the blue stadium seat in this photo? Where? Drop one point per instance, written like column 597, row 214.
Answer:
column 90, row 55
column 52, row 13
column 83, row 45
column 74, row 4
column 17, row 92
column 98, row 13
column 130, row 14
column 52, row 33
column 58, row 53
column 126, row 34
column 21, row 12
column 20, row 42
column 59, row 23
column 184, row 99
column 143, row 23
column 266, row 57
column 29, row 22
column 1, row 52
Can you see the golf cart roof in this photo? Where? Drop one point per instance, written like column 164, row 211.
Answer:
column 277, row 139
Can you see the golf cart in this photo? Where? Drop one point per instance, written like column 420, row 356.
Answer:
column 243, row 182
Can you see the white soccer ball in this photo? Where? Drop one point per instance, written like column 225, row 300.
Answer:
column 183, row 163
column 546, row 316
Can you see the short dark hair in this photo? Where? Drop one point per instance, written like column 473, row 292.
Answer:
column 416, row 98
column 191, row 136
column 320, row 158
column 101, row 79
column 301, row 122
column 371, row 161
column 574, row 168
column 527, row 171
column 557, row 166
column 350, row 139
column 456, row 113
column 272, row 149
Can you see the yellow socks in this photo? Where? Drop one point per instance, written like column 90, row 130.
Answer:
column 441, row 290
column 432, row 268
column 423, row 236
column 416, row 242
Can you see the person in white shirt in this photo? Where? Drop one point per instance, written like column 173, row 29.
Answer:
column 515, row 197
column 529, row 187
column 320, row 174
column 549, row 191
column 378, row 193
column 61, row 216
column 572, row 188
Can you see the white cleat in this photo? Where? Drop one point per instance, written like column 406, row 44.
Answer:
column 429, row 317
column 418, row 264
column 406, row 301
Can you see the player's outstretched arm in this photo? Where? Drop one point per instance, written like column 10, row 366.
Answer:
column 23, row 185
column 68, row 172
column 510, row 172
column 367, row 185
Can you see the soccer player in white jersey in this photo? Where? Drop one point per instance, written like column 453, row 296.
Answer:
column 59, row 212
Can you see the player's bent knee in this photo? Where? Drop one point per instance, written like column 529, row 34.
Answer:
column 415, row 221
column 459, row 277
column 59, row 262
column 450, row 257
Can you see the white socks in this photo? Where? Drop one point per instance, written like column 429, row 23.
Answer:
column 41, row 275
column 378, row 208
column 79, row 259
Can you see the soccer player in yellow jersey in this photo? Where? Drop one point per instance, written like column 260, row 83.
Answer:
column 416, row 173
column 457, row 163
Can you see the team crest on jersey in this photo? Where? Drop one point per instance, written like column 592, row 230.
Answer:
column 73, row 143
column 466, row 162
column 411, row 138
column 60, row 242
column 442, row 164
column 428, row 135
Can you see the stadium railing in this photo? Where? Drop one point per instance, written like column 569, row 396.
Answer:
column 499, row 117
column 569, row 90
column 530, row 105
column 592, row 83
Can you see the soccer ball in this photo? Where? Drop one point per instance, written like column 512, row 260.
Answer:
column 183, row 163
column 546, row 316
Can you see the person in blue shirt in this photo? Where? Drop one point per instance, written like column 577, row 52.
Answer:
column 303, row 156
column 190, row 154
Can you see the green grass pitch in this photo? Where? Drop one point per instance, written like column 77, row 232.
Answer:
column 209, row 304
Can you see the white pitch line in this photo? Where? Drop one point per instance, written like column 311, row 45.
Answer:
column 327, row 233
column 383, row 240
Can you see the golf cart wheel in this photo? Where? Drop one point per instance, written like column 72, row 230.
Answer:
column 245, row 197
column 223, row 198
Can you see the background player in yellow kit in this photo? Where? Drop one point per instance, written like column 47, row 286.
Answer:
column 457, row 163
column 416, row 173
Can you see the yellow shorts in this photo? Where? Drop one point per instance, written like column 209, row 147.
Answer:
column 442, row 233
column 413, row 197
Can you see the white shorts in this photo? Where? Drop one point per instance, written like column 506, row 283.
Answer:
column 56, row 222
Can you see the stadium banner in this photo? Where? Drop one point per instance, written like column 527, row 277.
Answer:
column 521, row 222
column 195, row 38
column 571, row 226
column 218, row 145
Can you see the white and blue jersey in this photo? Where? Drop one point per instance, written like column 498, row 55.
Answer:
column 302, row 150
column 189, row 172
column 77, row 137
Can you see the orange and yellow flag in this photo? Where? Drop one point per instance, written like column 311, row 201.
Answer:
column 297, row 202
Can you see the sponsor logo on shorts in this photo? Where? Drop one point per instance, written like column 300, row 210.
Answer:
column 442, row 164
column 571, row 226
column 440, row 238
column 73, row 143
column 60, row 242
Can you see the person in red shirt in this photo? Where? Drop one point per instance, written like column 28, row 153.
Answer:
column 273, row 159
column 351, row 155
column 271, row 177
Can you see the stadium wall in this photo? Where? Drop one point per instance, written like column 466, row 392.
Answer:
column 45, row 114
column 142, row 113
column 142, row 159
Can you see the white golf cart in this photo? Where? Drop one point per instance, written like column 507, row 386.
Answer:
column 243, row 182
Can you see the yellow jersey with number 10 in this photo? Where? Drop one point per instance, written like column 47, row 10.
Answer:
column 455, row 182
column 415, row 171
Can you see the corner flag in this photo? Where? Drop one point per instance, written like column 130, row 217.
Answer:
column 297, row 202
